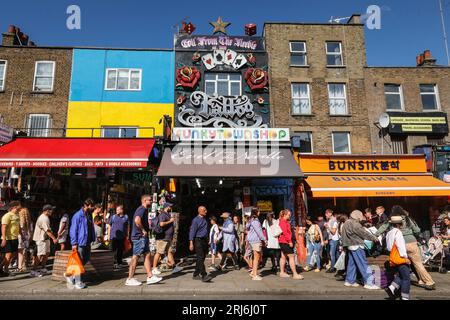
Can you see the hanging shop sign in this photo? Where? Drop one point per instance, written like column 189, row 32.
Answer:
column 6, row 133
column 361, row 164
column 138, row 176
column 218, row 111
column 198, row 42
column 416, row 123
column 230, row 134
column 264, row 205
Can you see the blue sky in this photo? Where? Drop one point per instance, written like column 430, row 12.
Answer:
column 407, row 27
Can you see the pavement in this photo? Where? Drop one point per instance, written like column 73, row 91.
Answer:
column 230, row 284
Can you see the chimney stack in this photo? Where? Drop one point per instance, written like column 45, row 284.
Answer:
column 354, row 19
column 425, row 59
column 14, row 37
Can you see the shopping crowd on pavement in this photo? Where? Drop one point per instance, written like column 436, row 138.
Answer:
column 336, row 243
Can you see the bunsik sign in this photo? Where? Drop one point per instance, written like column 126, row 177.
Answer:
column 233, row 111
column 360, row 164
column 213, row 42
column 230, row 134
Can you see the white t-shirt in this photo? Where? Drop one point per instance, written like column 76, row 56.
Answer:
column 64, row 219
column 272, row 242
column 333, row 224
column 42, row 226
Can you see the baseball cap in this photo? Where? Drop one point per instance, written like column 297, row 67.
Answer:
column 48, row 207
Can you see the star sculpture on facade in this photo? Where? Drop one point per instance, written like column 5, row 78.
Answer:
column 219, row 26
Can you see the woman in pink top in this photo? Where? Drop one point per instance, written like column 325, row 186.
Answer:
column 286, row 245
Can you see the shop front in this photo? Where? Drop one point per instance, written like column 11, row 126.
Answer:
column 225, row 173
column 348, row 182
column 66, row 171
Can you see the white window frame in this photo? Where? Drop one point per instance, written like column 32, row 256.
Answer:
column 216, row 80
column 3, row 76
column 35, row 75
column 304, row 53
column 402, row 104
column 48, row 127
column 436, row 93
column 299, row 98
column 129, row 70
column 348, row 140
column 311, row 138
column 340, row 53
column 345, row 97
column 120, row 130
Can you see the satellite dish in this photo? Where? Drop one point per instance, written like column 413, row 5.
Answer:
column 384, row 120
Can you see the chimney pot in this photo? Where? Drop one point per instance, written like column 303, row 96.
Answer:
column 12, row 29
column 427, row 54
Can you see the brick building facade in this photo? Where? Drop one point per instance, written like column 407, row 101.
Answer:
column 301, row 74
column 34, row 85
column 318, row 72
column 405, row 84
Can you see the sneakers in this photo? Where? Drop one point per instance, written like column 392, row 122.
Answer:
column 212, row 268
column 70, row 281
column 331, row 270
column 35, row 273
column 79, row 285
column 257, row 278
column 207, row 278
column 392, row 295
column 317, row 270
column 348, row 284
column 307, row 268
column 176, row 269
column 156, row 271
column 132, row 282
column 153, row 279
column 371, row 287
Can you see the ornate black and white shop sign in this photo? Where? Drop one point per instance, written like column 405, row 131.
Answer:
column 219, row 111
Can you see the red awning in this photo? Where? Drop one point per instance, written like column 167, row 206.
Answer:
column 76, row 153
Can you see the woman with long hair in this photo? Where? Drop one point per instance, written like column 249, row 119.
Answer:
column 26, row 231
column 286, row 245
column 255, row 238
column 315, row 243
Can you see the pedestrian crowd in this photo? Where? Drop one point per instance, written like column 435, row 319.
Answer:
column 338, row 243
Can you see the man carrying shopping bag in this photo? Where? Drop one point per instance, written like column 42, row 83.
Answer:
column 81, row 235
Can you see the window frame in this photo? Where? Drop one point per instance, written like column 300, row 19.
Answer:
column 341, row 53
column 296, row 133
column 435, row 93
column 49, row 124
column 53, row 76
column 216, row 80
column 130, row 70
column 345, row 97
column 309, row 99
column 298, row 53
column 402, row 103
column 2, row 88
column 120, row 131
column 348, row 141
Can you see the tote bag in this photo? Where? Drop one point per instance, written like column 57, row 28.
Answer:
column 394, row 257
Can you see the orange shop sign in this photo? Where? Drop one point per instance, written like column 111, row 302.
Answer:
column 362, row 164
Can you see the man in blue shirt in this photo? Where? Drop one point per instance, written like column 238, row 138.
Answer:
column 198, row 239
column 119, row 229
column 139, row 237
column 81, row 235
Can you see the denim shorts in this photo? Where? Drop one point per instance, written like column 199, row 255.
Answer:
column 140, row 246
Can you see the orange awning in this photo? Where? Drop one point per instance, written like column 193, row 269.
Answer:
column 376, row 186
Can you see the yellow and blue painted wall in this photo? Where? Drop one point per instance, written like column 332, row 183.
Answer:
column 92, row 106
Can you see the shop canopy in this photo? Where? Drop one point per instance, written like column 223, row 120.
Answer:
column 76, row 152
column 238, row 162
column 376, row 186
